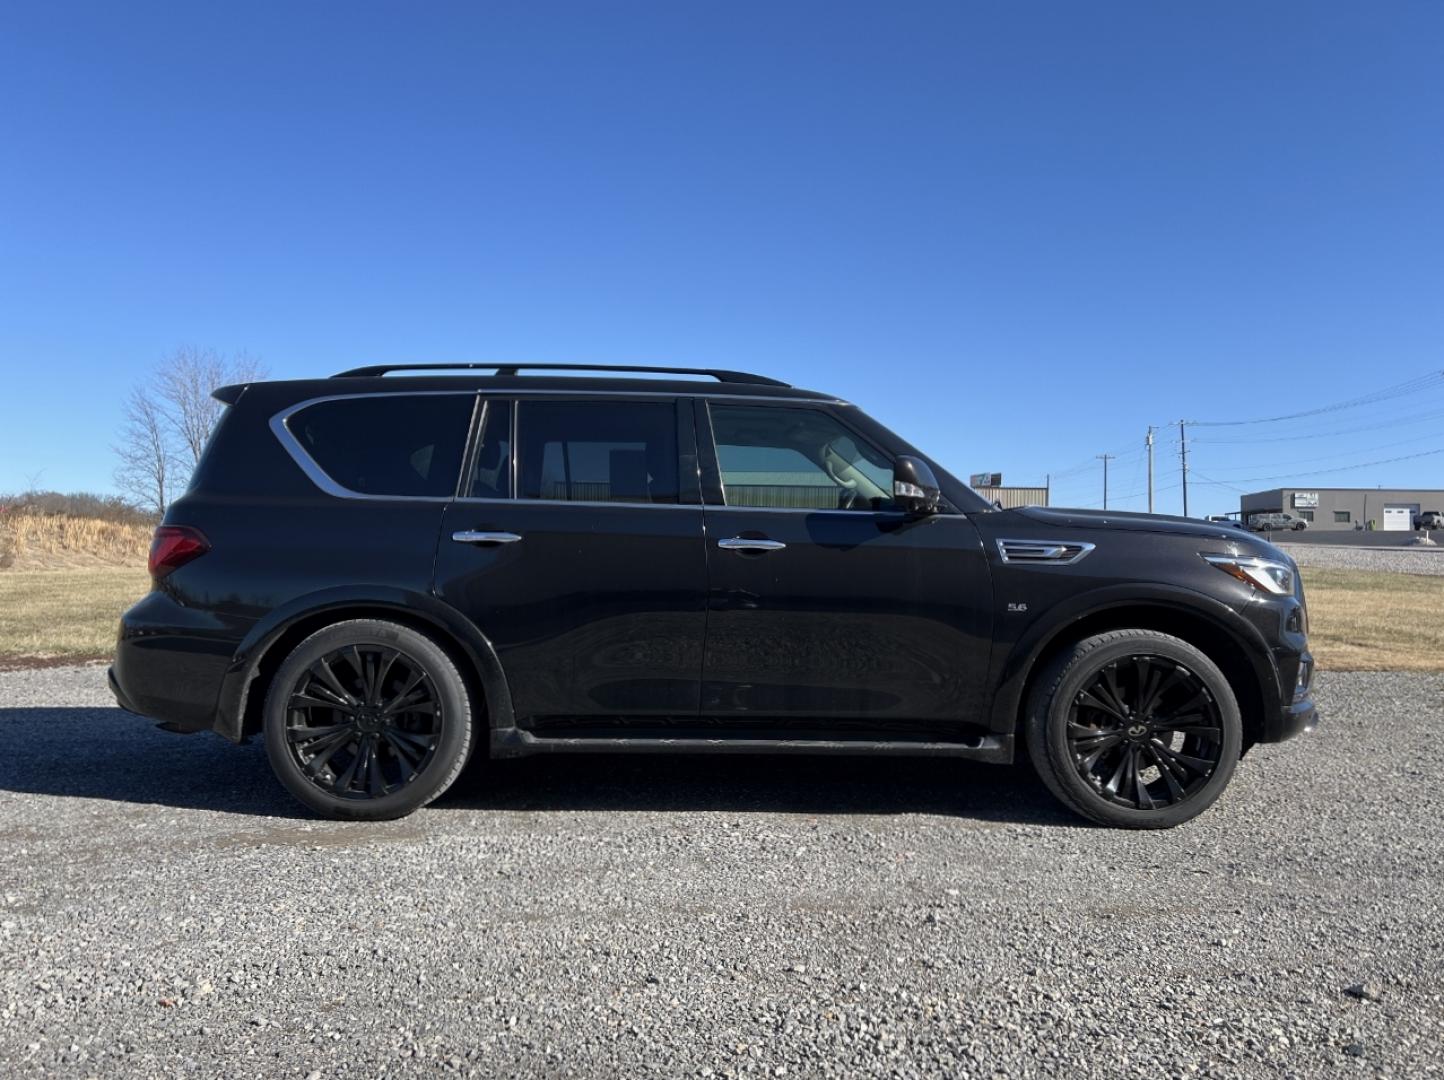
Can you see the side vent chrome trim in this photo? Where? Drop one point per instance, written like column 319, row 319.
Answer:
column 1046, row 552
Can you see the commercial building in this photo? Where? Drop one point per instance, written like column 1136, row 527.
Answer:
column 1345, row 508
column 1012, row 497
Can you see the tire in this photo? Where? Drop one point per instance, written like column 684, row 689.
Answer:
column 404, row 741
column 1181, row 770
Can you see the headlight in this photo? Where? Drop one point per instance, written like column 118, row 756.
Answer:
column 1266, row 574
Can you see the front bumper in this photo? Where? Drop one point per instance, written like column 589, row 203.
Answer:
column 1299, row 715
column 1295, row 719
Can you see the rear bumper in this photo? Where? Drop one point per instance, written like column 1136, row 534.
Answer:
column 120, row 698
column 169, row 663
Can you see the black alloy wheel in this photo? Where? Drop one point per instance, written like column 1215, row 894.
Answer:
column 367, row 719
column 1134, row 728
column 1145, row 732
column 363, row 721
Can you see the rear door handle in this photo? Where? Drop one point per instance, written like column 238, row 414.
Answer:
column 743, row 543
column 473, row 536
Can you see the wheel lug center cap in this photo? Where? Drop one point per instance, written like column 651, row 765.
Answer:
column 368, row 719
column 1137, row 731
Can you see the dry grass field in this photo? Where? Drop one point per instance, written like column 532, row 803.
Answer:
column 37, row 541
column 65, row 580
column 1362, row 620
column 49, row 615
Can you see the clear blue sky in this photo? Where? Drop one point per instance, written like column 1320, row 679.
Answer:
column 1019, row 233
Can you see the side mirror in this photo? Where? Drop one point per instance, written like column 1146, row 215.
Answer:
column 914, row 487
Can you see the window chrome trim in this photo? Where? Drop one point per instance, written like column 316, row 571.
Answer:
column 593, row 503
column 1048, row 552
column 280, row 427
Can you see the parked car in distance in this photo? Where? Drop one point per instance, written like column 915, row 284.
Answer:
column 1276, row 522
column 1429, row 519
column 1224, row 519
column 383, row 573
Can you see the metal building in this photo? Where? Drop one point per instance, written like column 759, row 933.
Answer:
column 1012, row 497
column 1345, row 508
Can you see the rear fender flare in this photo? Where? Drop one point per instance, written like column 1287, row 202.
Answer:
column 361, row 602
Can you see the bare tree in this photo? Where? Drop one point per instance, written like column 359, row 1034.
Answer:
column 184, row 384
column 168, row 421
column 146, row 470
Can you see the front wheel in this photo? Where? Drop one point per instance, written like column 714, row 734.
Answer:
column 1135, row 729
column 367, row 720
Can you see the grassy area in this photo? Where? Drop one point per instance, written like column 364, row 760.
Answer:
column 1365, row 621
column 70, row 614
column 42, row 541
column 1359, row 621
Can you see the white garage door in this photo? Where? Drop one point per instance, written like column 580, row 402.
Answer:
column 1397, row 518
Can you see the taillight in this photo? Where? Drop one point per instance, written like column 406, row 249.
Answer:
column 173, row 546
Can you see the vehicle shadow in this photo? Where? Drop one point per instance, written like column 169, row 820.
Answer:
column 104, row 753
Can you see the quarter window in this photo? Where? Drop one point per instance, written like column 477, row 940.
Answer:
column 798, row 459
column 598, row 451
column 388, row 444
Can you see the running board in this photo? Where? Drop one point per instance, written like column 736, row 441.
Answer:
column 514, row 742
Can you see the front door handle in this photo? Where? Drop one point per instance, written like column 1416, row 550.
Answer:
column 743, row 543
column 473, row 536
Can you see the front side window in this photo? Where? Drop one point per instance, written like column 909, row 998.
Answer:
column 796, row 459
column 388, row 444
column 597, row 451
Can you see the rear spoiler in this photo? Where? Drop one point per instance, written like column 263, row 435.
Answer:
column 229, row 395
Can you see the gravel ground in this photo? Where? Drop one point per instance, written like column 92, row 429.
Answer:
column 1399, row 561
column 165, row 911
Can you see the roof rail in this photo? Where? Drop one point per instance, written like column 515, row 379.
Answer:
column 721, row 375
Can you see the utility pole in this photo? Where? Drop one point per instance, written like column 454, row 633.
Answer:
column 1047, row 489
column 1183, row 459
column 1149, row 443
column 1106, row 458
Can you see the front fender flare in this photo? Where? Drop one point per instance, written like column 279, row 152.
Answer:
column 1018, row 663
column 360, row 601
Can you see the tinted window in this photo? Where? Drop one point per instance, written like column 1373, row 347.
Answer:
column 598, row 451
column 388, row 444
column 491, row 469
column 796, row 459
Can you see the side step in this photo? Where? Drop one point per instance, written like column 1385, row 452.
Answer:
column 514, row 742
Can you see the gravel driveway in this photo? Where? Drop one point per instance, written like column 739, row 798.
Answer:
column 165, row 911
column 1396, row 560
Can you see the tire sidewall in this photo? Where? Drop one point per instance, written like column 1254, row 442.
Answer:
column 1049, row 721
column 451, row 752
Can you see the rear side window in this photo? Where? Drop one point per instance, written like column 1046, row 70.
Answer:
column 598, row 451
column 491, row 467
column 389, row 444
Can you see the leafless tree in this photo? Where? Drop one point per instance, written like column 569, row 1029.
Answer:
column 146, row 470
column 184, row 384
column 168, row 421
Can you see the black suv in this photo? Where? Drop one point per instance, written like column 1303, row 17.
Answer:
column 380, row 574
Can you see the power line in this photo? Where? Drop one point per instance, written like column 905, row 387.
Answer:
column 1412, row 386
column 1302, row 436
column 1428, row 436
column 1341, row 468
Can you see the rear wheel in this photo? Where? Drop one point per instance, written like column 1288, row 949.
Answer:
column 1134, row 728
column 367, row 720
